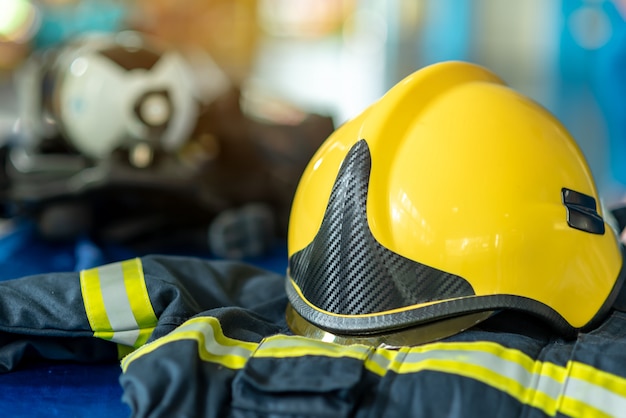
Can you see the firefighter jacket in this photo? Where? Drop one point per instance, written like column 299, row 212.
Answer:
column 202, row 338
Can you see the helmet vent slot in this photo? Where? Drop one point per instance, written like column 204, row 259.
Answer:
column 582, row 212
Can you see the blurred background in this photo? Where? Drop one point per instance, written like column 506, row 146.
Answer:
column 334, row 57
column 337, row 56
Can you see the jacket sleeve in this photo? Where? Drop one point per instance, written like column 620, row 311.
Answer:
column 123, row 305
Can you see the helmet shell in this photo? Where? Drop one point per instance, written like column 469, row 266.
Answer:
column 471, row 179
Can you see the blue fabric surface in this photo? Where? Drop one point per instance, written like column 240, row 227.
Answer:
column 63, row 389
column 23, row 253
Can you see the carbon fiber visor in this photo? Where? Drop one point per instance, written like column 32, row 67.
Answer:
column 346, row 272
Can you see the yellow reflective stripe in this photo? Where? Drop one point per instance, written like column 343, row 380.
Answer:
column 117, row 303
column 93, row 302
column 600, row 378
column 123, row 351
column 139, row 299
column 213, row 345
column 577, row 389
column 279, row 346
column 579, row 409
column 295, row 346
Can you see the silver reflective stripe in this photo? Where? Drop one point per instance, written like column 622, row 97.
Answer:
column 123, row 324
column 117, row 303
column 599, row 398
column 491, row 361
column 211, row 344
column 128, row 338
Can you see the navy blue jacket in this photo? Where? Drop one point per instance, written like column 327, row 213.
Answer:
column 204, row 338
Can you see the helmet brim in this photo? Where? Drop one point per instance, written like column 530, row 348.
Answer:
column 412, row 336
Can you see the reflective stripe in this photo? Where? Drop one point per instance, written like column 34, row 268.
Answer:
column 506, row 375
column 117, row 303
column 295, row 346
column 602, row 392
column 213, row 345
column 511, row 371
column 124, row 327
column 577, row 389
column 377, row 361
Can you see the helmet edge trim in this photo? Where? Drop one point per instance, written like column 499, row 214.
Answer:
column 413, row 316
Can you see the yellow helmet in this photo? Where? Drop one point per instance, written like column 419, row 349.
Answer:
column 450, row 198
